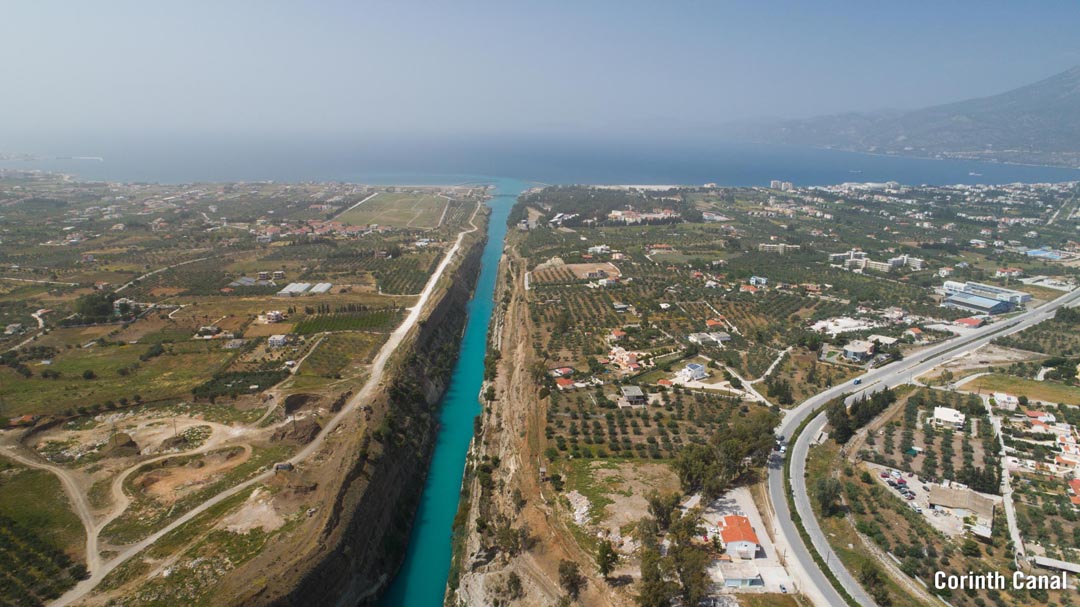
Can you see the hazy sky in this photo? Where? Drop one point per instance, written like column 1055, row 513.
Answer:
column 506, row 67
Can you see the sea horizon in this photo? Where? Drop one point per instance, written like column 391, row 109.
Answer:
column 449, row 161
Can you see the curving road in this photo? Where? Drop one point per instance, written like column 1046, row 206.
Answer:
column 815, row 584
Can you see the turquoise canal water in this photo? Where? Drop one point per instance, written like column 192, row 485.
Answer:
column 422, row 579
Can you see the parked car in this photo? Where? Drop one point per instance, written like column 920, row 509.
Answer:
column 858, row 381
column 884, row 475
column 783, row 589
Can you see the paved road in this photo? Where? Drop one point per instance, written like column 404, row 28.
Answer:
column 1006, row 490
column 364, row 395
column 356, row 205
column 820, row 591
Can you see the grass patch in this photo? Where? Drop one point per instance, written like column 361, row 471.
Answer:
column 340, row 350
column 34, row 499
column 1035, row 390
column 117, row 373
column 580, row 477
column 369, row 320
column 403, row 210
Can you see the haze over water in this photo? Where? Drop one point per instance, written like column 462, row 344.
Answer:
column 546, row 160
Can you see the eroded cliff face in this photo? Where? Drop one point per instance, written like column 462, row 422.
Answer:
column 379, row 471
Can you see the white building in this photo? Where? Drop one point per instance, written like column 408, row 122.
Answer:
column 692, row 372
column 884, row 340
column 1006, row 401
column 859, row 350
column 948, row 417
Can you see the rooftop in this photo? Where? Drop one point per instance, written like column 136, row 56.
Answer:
column 735, row 528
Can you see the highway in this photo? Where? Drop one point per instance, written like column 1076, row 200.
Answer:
column 814, row 583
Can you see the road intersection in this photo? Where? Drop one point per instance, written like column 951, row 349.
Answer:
column 816, row 585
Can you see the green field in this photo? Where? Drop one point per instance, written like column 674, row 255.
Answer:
column 371, row 320
column 340, row 350
column 41, row 539
column 1051, row 392
column 117, row 373
column 35, row 499
column 405, row 210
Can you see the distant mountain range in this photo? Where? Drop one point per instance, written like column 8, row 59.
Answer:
column 1037, row 124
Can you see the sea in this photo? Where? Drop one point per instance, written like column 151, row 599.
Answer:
column 186, row 159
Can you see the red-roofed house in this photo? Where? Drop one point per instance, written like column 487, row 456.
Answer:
column 1074, row 485
column 738, row 537
column 713, row 322
column 974, row 323
column 564, row 383
column 1042, row 416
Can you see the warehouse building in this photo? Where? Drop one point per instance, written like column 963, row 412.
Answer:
column 977, row 303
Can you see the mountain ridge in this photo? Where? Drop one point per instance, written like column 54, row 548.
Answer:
column 1038, row 123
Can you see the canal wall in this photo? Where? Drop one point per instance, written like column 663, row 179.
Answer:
column 371, row 514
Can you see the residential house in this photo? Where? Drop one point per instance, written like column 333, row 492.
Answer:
column 971, row 322
column 915, row 333
column 693, row 372
column 1005, row 401
column 738, row 537
column 1042, row 416
column 633, row 396
column 859, row 350
column 948, row 417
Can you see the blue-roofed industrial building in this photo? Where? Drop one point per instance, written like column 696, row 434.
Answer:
column 977, row 303
column 952, row 287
